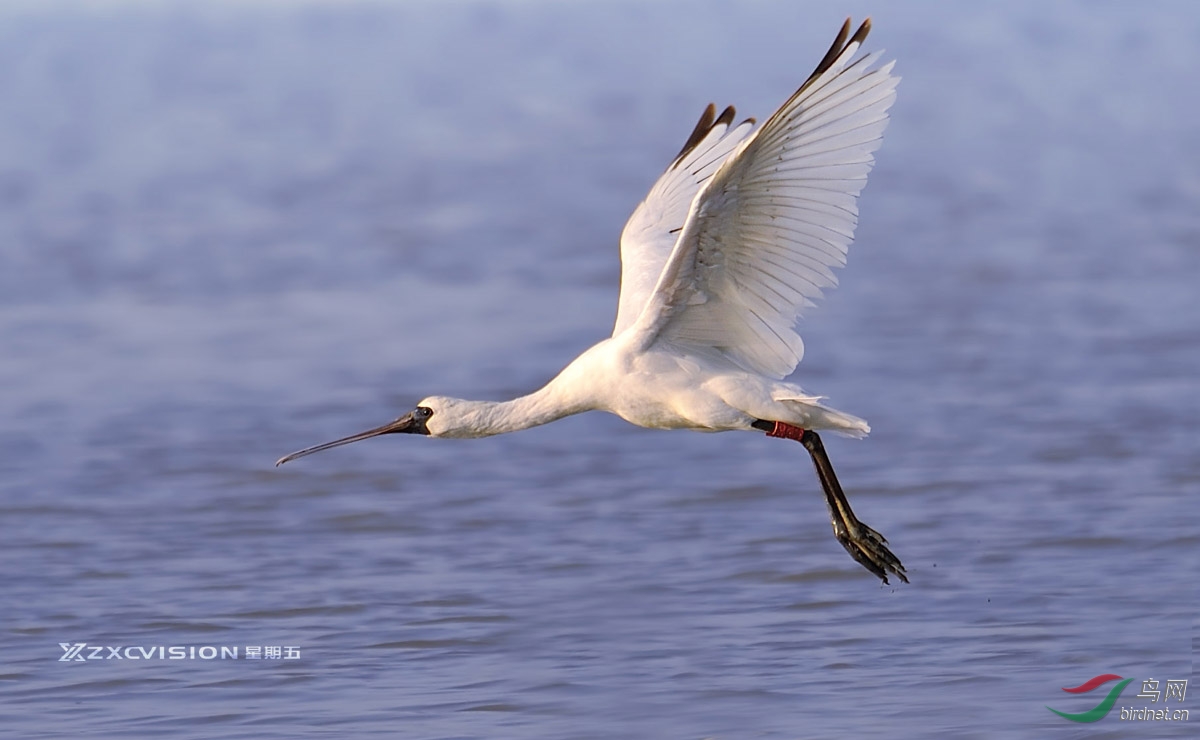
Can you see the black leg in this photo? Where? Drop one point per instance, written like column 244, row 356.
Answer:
column 865, row 545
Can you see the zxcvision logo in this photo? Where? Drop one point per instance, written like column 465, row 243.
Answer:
column 81, row 652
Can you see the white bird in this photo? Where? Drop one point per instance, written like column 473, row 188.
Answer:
column 734, row 240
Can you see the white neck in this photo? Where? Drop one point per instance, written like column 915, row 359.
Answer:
column 565, row 395
column 500, row 417
column 572, row 391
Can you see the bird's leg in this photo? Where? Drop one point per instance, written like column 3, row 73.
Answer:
column 865, row 545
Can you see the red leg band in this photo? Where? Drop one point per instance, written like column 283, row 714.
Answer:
column 786, row 431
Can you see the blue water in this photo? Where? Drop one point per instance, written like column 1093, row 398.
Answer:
column 230, row 230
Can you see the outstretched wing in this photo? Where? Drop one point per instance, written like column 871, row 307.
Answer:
column 654, row 227
column 765, row 231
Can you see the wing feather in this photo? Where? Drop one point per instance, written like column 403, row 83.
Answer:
column 767, row 227
column 654, row 227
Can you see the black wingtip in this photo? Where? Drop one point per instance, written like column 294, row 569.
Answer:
column 709, row 118
column 843, row 41
column 861, row 34
column 702, row 127
column 835, row 50
column 726, row 116
column 708, row 121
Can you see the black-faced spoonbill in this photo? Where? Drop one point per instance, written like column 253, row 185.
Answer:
column 736, row 238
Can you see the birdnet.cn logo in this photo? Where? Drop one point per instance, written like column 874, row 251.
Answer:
column 82, row 652
column 1172, row 690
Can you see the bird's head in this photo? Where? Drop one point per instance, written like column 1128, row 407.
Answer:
column 434, row 417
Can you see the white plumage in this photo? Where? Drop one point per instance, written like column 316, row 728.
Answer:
column 766, row 225
column 732, row 243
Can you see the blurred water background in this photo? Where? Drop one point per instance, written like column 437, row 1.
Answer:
column 229, row 230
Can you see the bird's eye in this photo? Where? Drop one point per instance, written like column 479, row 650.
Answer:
column 424, row 412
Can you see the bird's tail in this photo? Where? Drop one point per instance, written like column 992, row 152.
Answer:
column 812, row 414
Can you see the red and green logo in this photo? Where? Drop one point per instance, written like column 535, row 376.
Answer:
column 1104, row 707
